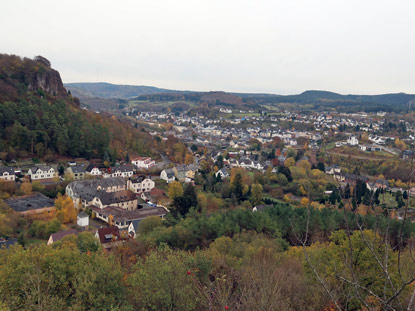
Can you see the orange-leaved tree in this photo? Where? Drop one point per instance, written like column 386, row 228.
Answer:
column 65, row 208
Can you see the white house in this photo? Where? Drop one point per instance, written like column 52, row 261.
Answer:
column 143, row 162
column 333, row 169
column 168, row 175
column 93, row 170
column 352, row 140
column 42, row 172
column 124, row 171
column 223, row 172
column 140, row 184
column 133, row 228
column 7, row 174
column 82, row 220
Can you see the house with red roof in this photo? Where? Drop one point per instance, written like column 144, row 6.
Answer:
column 143, row 162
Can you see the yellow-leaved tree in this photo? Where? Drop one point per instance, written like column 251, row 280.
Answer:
column 65, row 209
column 175, row 190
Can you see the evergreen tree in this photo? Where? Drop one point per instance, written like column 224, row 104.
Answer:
column 332, row 198
column 347, row 191
column 219, row 162
column 237, row 186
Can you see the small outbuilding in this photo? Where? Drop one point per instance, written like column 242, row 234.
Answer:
column 82, row 220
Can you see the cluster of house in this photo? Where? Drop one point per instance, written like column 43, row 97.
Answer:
column 35, row 173
column 246, row 162
column 78, row 172
column 114, row 200
column 377, row 144
column 183, row 173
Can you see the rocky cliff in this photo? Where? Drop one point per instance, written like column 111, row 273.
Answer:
column 20, row 77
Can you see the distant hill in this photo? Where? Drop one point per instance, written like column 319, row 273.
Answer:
column 108, row 90
column 323, row 99
column 90, row 94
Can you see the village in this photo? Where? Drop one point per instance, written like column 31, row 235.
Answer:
column 122, row 195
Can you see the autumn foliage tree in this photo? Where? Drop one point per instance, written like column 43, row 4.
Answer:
column 175, row 190
column 65, row 209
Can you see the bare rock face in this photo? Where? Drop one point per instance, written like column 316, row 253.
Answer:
column 45, row 78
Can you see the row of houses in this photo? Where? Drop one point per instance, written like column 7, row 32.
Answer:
column 78, row 172
column 34, row 173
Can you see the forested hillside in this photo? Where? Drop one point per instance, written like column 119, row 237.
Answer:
column 323, row 100
column 38, row 117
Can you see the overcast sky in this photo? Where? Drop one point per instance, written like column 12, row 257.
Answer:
column 284, row 47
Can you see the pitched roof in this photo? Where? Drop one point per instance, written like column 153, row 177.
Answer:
column 108, row 198
column 123, row 168
column 78, row 168
column 88, row 188
column 9, row 170
column 43, row 168
column 138, row 180
column 90, row 167
column 108, row 234
column 61, row 234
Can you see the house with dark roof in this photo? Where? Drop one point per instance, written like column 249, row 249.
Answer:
column 93, row 169
column 353, row 178
column 185, row 173
column 167, row 175
column 54, row 237
column 133, row 228
column 7, row 173
column 82, row 192
column 77, row 172
column 125, row 171
column 125, row 199
column 140, row 184
column 42, row 173
column 223, row 172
